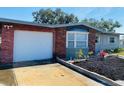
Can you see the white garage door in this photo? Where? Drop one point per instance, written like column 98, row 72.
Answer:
column 29, row 45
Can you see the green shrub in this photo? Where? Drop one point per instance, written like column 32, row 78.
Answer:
column 80, row 54
column 90, row 53
column 121, row 49
column 117, row 50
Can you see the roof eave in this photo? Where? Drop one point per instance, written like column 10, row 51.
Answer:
column 2, row 20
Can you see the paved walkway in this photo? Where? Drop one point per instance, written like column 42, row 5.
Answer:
column 45, row 75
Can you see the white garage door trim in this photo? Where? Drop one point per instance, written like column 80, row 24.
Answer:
column 32, row 45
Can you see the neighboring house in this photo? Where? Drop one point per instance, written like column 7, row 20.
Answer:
column 107, row 41
column 26, row 41
column 121, row 43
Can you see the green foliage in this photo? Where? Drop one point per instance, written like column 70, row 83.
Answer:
column 109, row 50
column 80, row 54
column 116, row 50
column 50, row 16
column 121, row 49
column 105, row 25
column 90, row 53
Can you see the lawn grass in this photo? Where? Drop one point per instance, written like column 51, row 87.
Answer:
column 120, row 53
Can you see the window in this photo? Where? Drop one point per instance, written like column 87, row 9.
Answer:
column 77, row 39
column 97, row 39
column 81, row 36
column 112, row 40
column 71, row 36
column 81, row 39
column 71, row 40
column 81, row 44
column 71, row 44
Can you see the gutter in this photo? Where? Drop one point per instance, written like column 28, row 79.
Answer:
column 5, row 20
column 98, row 78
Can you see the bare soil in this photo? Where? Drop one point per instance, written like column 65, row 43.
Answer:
column 112, row 67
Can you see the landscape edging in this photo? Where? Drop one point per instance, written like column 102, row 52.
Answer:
column 97, row 77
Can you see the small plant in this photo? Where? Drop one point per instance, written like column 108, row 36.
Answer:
column 121, row 49
column 117, row 50
column 80, row 54
column 90, row 53
column 103, row 55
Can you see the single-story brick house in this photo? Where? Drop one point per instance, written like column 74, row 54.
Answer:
column 26, row 41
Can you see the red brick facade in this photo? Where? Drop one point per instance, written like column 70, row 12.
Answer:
column 91, row 40
column 59, row 40
column 7, row 43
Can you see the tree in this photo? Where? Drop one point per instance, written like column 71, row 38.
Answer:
column 105, row 25
column 57, row 16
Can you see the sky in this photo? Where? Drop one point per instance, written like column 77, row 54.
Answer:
column 25, row 13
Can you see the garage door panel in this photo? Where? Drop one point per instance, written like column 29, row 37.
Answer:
column 30, row 45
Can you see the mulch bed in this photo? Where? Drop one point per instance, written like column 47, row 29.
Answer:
column 112, row 68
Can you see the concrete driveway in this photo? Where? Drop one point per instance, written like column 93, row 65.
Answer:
column 45, row 75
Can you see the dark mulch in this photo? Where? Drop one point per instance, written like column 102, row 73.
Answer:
column 112, row 68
